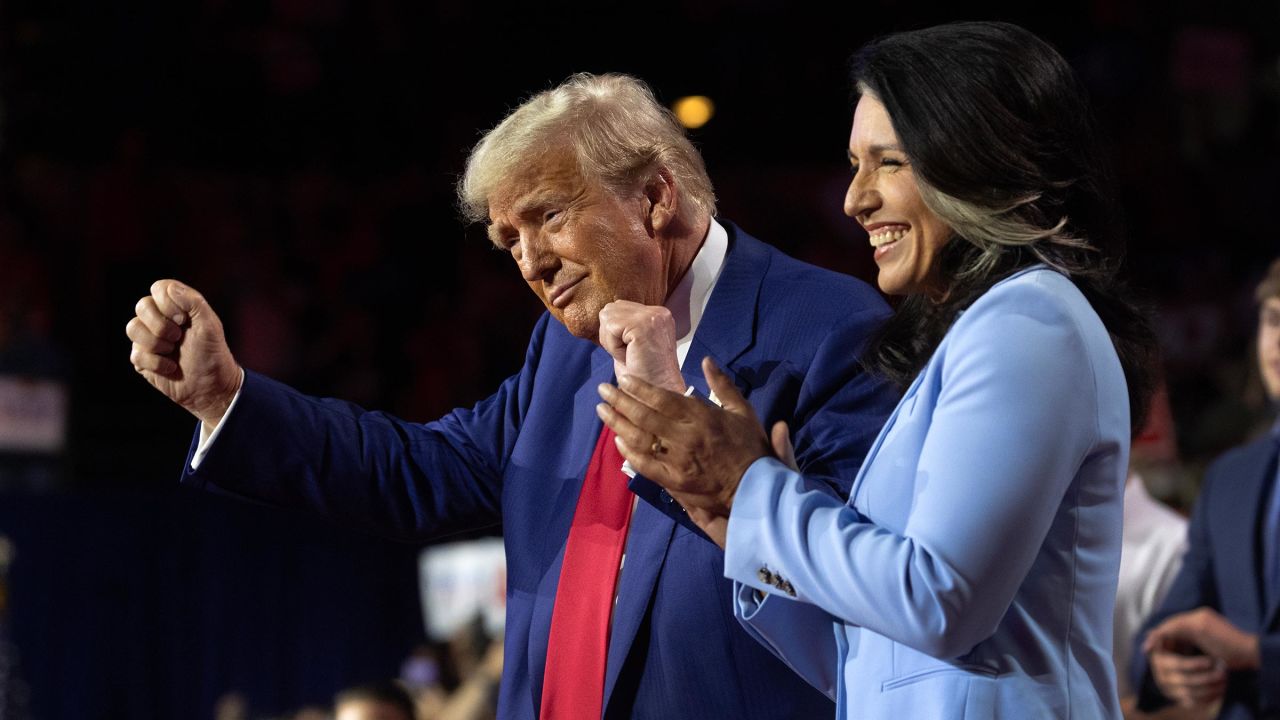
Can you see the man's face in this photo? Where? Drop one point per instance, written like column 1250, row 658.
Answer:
column 1269, row 346
column 579, row 245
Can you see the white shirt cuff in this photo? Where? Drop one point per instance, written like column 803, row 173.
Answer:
column 207, row 436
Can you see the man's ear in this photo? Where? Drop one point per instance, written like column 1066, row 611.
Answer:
column 663, row 202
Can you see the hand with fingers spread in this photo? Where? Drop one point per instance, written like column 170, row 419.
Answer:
column 696, row 451
column 179, row 347
column 1217, row 645
column 642, row 341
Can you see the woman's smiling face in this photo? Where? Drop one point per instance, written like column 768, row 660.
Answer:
column 884, row 199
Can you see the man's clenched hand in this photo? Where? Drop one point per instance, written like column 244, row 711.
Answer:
column 179, row 347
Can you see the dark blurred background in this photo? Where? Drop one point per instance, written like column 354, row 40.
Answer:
column 295, row 161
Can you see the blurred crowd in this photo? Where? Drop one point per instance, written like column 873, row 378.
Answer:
column 452, row 680
column 295, row 161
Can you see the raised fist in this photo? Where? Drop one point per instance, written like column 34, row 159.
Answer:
column 179, row 347
column 642, row 341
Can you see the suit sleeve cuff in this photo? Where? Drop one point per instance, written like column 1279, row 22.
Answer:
column 748, row 521
column 208, row 437
column 748, row 601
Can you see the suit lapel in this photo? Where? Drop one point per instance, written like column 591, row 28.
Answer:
column 1240, row 539
column 728, row 326
column 647, row 545
column 1266, row 460
column 726, row 331
column 582, row 428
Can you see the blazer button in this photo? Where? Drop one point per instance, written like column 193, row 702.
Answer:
column 666, row 497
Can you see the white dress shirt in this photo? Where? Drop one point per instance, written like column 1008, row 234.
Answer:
column 1154, row 541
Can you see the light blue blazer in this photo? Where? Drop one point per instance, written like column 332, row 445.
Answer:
column 973, row 572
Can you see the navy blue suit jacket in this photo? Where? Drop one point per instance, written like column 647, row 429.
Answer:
column 1223, row 570
column 788, row 334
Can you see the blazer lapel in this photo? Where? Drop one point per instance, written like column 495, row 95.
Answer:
column 908, row 400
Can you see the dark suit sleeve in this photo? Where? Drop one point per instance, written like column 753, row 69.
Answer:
column 1269, row 675
column 840, row 407
column 1193, row 587
column 399, row 479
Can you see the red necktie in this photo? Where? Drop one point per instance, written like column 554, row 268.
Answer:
column 573, row 682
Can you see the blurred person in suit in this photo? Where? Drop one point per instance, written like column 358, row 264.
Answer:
column 1215, row 641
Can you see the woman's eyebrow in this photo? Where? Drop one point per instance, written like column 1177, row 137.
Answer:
column 874, row 150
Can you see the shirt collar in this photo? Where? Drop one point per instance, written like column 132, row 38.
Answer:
column 688, row 301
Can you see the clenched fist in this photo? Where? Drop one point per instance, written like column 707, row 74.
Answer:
column 179, row 347
column 642, row 341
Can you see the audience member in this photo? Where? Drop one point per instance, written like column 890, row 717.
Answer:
column 375, row 701
column 1216, row 638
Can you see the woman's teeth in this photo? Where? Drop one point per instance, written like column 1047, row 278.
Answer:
column 887, row 236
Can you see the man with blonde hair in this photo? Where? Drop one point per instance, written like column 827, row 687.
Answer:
column 614, row 608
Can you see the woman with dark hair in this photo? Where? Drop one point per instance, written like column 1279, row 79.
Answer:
column 972, row 572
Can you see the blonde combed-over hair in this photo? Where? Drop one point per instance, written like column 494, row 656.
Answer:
column 613, row 124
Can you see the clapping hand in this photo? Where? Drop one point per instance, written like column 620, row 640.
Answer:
column 696, row 451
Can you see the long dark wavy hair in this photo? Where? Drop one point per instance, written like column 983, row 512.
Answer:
column 1004, row 150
